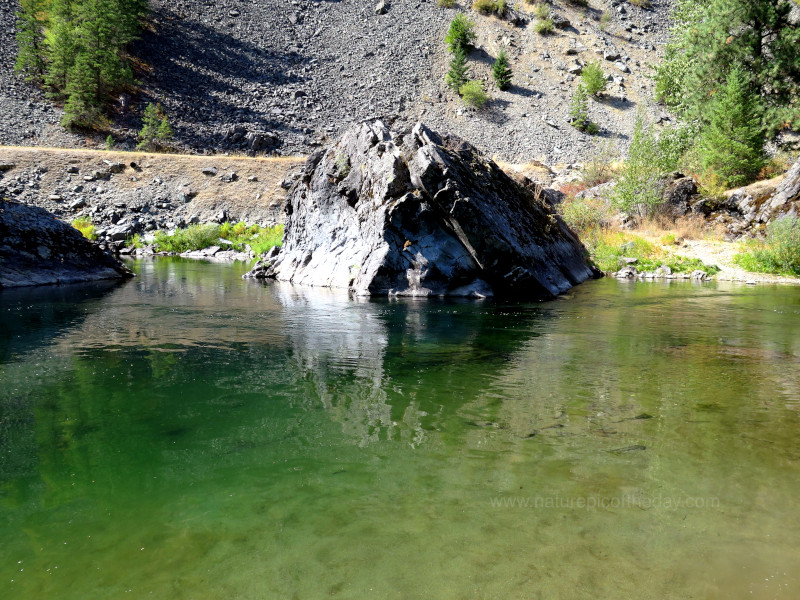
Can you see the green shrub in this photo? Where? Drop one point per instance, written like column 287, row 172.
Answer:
column 501, row 71
column 473, row 94
column 446, row 3
column 584, row 214
column 673, row 144
column 779, row 253
column 84, row 225
column 541, row 11
column 488, row 7
column 641, row 3
column 194, row 237
column 640, row 185
column 594, row 78
column 458, row 73
column 605, row 19
column 544, row 26
column 461, row 34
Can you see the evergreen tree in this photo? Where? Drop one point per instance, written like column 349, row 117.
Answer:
column 31, row 21
column 579, row 109
column 458, row 74
column 501, row 71
column 155, row 128
column 60, row 46
column 82, row 108
column 712, row 37
column 79, row 53
column 461, row 34
column 732, row 144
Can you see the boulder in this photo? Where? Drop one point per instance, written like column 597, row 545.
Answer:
column 38, row 249
column 679, row 193
column 421, row 215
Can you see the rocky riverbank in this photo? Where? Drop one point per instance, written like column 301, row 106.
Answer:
column 38, row 249
column 127, row 193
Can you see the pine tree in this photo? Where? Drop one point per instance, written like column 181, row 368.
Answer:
column 732, row 144
column 164, row 130
column 60, row 46
column 82, row 108
column 461, row 34
column 31, row 22
column 712, row 37
column 579, row 109
column 501, row 71
column 458, row 74
column 155, row 128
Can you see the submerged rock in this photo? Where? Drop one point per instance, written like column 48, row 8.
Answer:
column 418, row 216
column 38, row 249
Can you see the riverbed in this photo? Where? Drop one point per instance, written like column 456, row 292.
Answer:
column 189, row 434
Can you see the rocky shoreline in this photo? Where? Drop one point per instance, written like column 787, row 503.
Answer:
column 38, row 249
column 125, row 193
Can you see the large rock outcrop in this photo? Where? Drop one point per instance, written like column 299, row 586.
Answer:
column 419, row 215
column 38, row 249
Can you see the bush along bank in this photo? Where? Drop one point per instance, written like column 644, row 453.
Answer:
column 227, row 241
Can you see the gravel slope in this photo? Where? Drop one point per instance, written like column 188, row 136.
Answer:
column 294, row 74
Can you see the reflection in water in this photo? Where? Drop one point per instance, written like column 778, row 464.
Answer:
column 189, row 434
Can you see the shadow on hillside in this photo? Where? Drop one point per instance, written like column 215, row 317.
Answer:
column 201, row 73
column 494, row 112
column 518, row 90
column 615, row 102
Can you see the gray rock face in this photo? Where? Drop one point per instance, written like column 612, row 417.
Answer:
column 38, row 249
column 421, row 215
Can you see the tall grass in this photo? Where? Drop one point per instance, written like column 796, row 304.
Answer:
column 228, row 236
column 778, row 253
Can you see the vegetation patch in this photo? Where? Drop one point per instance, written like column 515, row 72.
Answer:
column 228, row 236
column 608, row 249
column 473, row 94
column 779, row 253
column 85, row 226
column 544, row 26
column 594, row 78
column 488, row 7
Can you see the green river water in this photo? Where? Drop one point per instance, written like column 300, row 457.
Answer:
column 190, row 435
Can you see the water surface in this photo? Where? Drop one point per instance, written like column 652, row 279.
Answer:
column 192, row 435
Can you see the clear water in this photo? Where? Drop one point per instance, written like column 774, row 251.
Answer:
column 192, row 435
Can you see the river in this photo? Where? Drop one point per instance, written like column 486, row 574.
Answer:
column 189, row 434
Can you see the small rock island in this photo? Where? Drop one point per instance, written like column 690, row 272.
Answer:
column 413, row 213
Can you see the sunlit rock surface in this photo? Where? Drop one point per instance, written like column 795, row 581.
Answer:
column 386, row 213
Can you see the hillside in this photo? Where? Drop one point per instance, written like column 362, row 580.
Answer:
column 293, row 75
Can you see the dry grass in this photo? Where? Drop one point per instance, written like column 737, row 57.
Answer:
column 675, row 231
